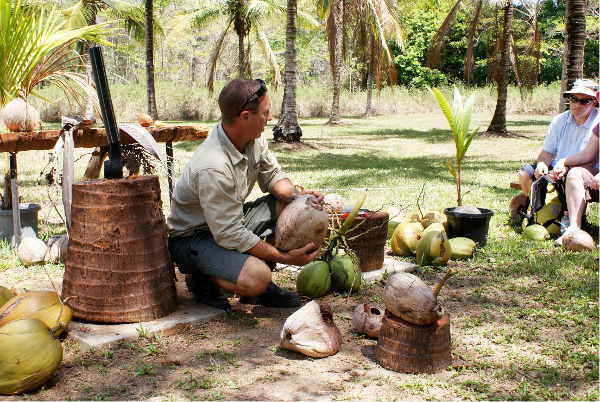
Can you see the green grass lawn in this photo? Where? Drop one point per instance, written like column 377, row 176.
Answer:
column 524, row 314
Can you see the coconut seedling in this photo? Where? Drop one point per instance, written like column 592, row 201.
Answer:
column 459, row 120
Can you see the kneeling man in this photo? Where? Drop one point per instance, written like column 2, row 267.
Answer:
column 216, row 237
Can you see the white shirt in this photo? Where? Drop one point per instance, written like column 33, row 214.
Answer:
column 565, row 137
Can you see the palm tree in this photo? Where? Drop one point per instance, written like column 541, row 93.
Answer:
column 469, row 59
column 336, row 38
column 149, row 38
column 498, row 123
column 574, row 45
column 375, row 22
column 287, row 128
column 434, row 51
column 245, row 16
column 49, row 55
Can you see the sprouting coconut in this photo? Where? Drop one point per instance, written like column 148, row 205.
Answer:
column 18, row 115
column 406, row 296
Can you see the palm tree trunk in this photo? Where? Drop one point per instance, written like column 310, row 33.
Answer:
column 150, row 90
column 241, row 55
column 287, row 128
column 337, row 8
column 575, row 40
column 370, row 65
column 469, row 59
column 498, row 123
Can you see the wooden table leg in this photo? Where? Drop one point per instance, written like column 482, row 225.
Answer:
column 16, row 210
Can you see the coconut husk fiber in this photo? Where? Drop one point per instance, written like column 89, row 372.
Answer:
column 118, row 267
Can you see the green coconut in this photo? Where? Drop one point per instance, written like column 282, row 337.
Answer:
column 314, row 280
column 345, row 275
column 405, row 238
column 462, row 247
column 433, row 248
column 5, row 295
column 536, row 233
column 29, row 356
column 43, row 305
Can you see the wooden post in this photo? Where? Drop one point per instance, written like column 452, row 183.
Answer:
column 16, row 210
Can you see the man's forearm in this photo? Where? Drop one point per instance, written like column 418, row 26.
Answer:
column 284, row 191
column 545, row 157
column 267, row 252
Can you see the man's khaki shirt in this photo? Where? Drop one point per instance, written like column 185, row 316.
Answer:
column 212, row 189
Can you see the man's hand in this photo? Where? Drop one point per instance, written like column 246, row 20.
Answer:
column 595, row 184
column 540, row 170
column 559, row 170
column 317, row 195
column 302, row 255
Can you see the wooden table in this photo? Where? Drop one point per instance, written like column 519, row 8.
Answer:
column 91, row 137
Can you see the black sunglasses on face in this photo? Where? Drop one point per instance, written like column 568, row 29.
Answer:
column 581, row 101
column 262, row 88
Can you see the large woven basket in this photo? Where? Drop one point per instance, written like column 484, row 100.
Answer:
column 369, row 239
column 118, row 267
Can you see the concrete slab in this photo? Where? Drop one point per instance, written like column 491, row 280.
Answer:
column 188, row 312
column 95, row 336
column 390, row 266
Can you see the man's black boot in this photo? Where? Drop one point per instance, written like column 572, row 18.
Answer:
column 274, row 296
column 206, row 291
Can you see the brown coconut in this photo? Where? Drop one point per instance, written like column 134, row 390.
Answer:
column 32, row 251
column 311, row 331
column 578, row 240
column 57, row 248
column 367, row 320
column 408, row 297
column 301, row 222
column 434, row 217
column 145, row 120
column 19, row 115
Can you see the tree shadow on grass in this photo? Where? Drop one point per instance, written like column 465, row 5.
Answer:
column 521, row 123
column 355, row 170
column 433, row 136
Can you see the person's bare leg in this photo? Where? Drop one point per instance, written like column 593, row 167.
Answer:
column 253, row 280
column 575, row 193
column 525, row 181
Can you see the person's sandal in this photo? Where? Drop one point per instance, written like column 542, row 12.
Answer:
column 206, row 291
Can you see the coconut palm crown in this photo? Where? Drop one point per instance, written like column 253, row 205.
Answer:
column 459, row 120
column 36, row 46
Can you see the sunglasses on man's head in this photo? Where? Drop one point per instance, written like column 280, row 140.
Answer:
column 262, row 88
column 582, row 101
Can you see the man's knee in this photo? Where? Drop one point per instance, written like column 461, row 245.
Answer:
column 525, row 181
column 254, row 277
column 575, row 175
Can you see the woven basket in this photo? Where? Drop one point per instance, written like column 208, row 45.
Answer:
column 369, row 246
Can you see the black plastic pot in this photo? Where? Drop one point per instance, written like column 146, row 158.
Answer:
column 473, row 226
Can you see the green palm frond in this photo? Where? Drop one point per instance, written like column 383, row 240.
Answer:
column 35, row 46
column 266, row 48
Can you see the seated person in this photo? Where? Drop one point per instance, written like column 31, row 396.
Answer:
column 569, row 132
column 583, row 180
column 214, row 236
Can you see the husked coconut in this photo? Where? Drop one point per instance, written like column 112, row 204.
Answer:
column 57, row 248
column 367, row 320
column 467, row 209
column 406, row 296
column 578, row 240
column 302, row 221
column 311, row 331
column 19, row 115
column 32, row 251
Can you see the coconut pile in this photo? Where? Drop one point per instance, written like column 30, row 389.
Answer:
column 424, row 236
column 30, row 352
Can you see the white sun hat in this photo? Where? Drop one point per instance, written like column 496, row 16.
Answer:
column 584, row 87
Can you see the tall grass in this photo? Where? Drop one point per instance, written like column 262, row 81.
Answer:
column 178, row 101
